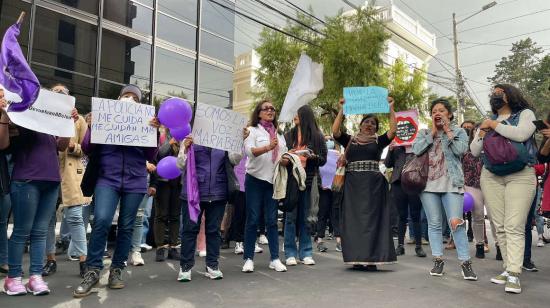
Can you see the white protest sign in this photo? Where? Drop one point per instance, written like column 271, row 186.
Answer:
column 122, row 123
column 218, row 128
column 50, row 113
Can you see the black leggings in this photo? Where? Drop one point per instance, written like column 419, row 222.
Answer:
column 325, row 212
column 236, row 230
column 406, row 204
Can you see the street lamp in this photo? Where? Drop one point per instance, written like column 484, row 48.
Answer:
column 459, row 79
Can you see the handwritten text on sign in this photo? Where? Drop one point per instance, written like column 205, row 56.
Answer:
column 218, row 128
column 122, row 123
column 362, row 100
column 407, row 127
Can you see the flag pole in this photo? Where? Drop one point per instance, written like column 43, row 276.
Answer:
column 21, row 17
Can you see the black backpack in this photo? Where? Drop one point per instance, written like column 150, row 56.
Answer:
column 290, row 202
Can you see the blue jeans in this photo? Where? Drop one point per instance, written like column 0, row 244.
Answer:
column 33, row 204
column 213, row 214
column 106, row 200
column 5, row 205
column 146, row 216
column 452, row 203
column 137, row 235
column 296, row 221
column 73, row 216
column 259, row 196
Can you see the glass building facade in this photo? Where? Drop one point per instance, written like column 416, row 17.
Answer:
column 168, row 48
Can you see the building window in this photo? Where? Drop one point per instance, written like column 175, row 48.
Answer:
column 218, row 48
column 218, row 19
column 184, row 35
column 130, row 14
column 174, row 75
column 89, row 6
column 181, row 9
column 215, row 85
column 9, row 12
column 64, row 42
column 125, row 60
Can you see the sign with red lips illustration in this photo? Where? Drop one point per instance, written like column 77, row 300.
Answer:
column 407, row 127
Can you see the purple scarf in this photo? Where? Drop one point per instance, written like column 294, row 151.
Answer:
column 193, row 198
column 16, row 75
column 270, row 128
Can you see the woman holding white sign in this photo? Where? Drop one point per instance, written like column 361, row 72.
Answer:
column 122, row 178
column 264, row 147
column 34, row 190
column 365, row 229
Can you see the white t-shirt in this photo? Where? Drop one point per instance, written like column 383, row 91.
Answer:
column 261, row 167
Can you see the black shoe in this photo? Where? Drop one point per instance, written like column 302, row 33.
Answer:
column 339, row 247
column 3, row 271
column 83, row 268
column 400, row 250
column 50, row 268
column 371, row 268
column 225, row 245
column 420, row 252
column 529, row 266
column 437, row 270
column 161, row 254
column 321, row 247
column 480, row 251
column 499, row 255
column 106, row 254
column 115, row 279
column 173, row 254
column 468, row 271
column 61, row 247
column 91, row 278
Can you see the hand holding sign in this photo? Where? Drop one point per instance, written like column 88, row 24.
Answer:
column 362, row 100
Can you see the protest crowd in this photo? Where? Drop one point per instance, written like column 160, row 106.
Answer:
column 291, row 185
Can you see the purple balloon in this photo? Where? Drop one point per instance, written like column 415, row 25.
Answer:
column 468, row 202
column 179, row 133
column 167, row 168
column 175, row 112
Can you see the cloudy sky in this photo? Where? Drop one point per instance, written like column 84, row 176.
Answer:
column 485, row 38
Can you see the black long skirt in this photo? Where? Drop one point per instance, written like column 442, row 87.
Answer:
column 365, row 220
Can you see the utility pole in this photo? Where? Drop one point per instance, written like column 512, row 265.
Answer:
column 458, row 78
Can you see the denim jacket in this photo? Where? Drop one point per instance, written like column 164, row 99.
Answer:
column 453, row 150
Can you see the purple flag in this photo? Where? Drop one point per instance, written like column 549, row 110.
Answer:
column 193, row 199
column 16, row 75
column 329, row 169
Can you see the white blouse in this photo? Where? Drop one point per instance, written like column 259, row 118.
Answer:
column 261, row 167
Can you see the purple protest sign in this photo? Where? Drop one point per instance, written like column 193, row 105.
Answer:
column 329, row 169
column 240, row 172
column 16, row 75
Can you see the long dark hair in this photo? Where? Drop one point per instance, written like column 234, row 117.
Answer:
column 443, row 102
column 308, row 127
column 370, row 116
column 255, row 116
column 516, row 100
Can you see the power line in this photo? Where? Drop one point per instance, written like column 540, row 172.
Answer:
column 498, row 40
column 471, row 12
column 304, row 11
column 263, row 23
column 497, row 22
column 290, row 17
column 474, row 64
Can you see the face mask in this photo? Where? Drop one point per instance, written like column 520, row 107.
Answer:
column 330, row 144
column 127, row 99
column 497, row 102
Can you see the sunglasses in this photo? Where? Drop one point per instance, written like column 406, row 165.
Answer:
column 268, row 109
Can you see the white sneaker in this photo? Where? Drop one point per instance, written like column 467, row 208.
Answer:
column 277, row 265
column 291, row 261
column 308, row 261
column 258, row 249
column 263, row 240
column 214, row 274
column 239, row 249
column 202, row 253
column 146, row 247
column 184, row 276
column 540, row 242
column 137, row 260
column 248, row 266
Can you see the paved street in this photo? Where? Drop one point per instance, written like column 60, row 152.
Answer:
column 327, row 284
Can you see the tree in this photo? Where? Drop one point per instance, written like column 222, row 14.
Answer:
column 351, row 52
column 538, row 87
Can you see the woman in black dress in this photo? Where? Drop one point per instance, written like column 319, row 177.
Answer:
column 365, row 220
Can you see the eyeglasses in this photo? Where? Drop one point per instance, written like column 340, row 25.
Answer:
column 61, row 91
column 268, row 109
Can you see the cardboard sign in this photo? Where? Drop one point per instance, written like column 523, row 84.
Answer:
column 218, row 128
column 50, row 113
column 407, row 127
column 363, row 100
column 122, row 123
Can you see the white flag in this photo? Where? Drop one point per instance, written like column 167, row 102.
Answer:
column 304, row 87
